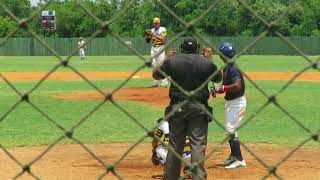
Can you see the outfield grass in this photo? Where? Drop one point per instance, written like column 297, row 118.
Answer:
column 26, row 126
column 124, row 63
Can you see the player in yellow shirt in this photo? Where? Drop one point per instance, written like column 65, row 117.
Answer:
column 158, row 38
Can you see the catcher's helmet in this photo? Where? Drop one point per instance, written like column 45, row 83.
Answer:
column 227, row 50
column 190, row 46
column 159, row 120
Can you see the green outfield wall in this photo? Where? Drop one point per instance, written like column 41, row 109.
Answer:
column 111, row 46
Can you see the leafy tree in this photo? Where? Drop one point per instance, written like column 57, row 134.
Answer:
column 228, row 18
column 20, row 8
column 6, row 26
column 308, row 23
column 224, row 20
column 269, row 10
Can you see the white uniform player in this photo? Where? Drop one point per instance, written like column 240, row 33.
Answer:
column 157, row 49
column 234, row 87
column 82, row 47
column 162, row 151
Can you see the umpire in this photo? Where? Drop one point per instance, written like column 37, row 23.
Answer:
column 190, row 70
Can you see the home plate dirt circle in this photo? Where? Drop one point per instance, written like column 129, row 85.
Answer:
column 70, row 162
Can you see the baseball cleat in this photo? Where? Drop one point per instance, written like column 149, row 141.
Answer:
column 236, row 164
column 229, row 161
column 154, row 85
column 164, row 85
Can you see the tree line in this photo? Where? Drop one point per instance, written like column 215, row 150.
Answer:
column 228, row 18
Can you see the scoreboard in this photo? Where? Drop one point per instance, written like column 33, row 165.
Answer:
column 48, row 19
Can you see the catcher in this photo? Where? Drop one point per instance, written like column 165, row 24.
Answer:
column 160, row 151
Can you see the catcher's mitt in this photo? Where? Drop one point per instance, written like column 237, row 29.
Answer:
column 206, row 52
column 155, row 160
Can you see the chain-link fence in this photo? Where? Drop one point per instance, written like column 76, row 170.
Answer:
column 109, row 46
column 270, row 27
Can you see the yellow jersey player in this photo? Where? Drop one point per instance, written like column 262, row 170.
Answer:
column 158, row 38
column 160, row 151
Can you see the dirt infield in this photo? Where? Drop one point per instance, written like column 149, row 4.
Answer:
column 149, row 95
column 72, row 162
column 307, row 76
column 154, row 96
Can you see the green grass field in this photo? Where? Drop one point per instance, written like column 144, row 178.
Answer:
column 26, row 127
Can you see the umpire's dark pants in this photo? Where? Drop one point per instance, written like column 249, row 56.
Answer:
column 193, row 121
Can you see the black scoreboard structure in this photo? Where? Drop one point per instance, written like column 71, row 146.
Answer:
column 48, row 21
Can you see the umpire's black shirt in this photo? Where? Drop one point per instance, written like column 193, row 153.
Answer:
column 231, row 73
column 189, row 71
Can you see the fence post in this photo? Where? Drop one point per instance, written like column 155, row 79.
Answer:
column 32, row 53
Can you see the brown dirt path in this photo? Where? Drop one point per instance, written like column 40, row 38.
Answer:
column 307, row 76
column 154, row 96
column 72, row 162
column 149, row 95
column 69, row 162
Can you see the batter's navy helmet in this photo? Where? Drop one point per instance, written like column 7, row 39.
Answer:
column 190, row 46
column 227, row 50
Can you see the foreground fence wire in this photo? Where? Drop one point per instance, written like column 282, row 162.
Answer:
column 270, row 27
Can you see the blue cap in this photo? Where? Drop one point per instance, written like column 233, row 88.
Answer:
column 227, row 50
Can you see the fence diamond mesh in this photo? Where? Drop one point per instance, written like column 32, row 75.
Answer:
column 189, row 28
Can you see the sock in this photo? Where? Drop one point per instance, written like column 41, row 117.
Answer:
column 236, row 148
column 231, row 148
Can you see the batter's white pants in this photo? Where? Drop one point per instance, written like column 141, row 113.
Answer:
column 233, row 114
column 162, row 153
column 157, row 61
column 81, row 52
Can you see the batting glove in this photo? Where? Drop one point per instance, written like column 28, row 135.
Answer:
column 219, row 89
